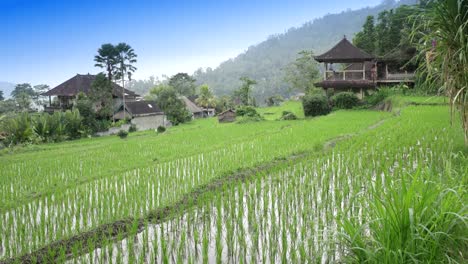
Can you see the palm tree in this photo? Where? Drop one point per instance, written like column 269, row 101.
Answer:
column 205, row 98
column 126, row 57
column 444, row 31
column 107, row 58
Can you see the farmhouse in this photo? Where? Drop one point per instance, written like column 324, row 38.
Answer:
column 227, row 116
column 144, row 114
column 65, row 94
column 195, row 110
column 347, row 67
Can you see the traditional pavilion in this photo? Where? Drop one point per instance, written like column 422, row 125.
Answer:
column 349, row 68
column 66, row 93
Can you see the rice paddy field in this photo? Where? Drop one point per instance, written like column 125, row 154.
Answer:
column 352, row 186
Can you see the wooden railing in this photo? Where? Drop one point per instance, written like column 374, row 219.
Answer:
column 345, row 75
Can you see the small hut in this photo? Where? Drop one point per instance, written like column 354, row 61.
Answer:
column 227, row 116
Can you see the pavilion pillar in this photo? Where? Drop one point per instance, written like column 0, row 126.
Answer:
column 50, row 101
column 386, row 71
column 364, row 70
column 325, row 72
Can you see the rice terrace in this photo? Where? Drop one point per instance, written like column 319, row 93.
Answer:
column 359, row 154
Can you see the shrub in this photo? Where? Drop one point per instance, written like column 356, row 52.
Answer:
column 380, row 95
column 122, row 133
column 315, row 105
column 161, row 129
column 18, row 129
column 345, row 100
column 132, row 128
column 247, row 111
column 250, row 119
column 287, row 115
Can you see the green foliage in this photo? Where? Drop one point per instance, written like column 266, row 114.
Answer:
column 366, row 39
column 315, row 105
column 303, row 72
column 161, row 129
column 23, row 101
column 167, row 99
column 122, row 134
column 247, row 111
column 125, row 59
column 21, row 89
column 1, row 96
column 443, row 45
column 205, row 98
column 345, row 100
column 73, row 124
column 8, row 106
column 274, row 100
column 250, row 119
column 85, row 107
column 18, row 129
column 101, row 96
column 287, row 115
column 417, row 220
column 107, row 59
column 183, row 84
column 244, row 93
column 132, row 128
column 223, row 103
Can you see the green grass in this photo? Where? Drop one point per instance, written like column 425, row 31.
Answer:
column 54, row 191
column 275, row 112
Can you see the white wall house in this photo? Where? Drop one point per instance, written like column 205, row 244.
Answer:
column 144, row 114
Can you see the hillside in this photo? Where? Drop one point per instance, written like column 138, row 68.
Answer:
column 265, row 61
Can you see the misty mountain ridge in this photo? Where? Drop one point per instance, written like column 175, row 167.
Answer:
column 266, row 61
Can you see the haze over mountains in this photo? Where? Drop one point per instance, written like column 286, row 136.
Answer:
column 265, row 61
column 6, row 87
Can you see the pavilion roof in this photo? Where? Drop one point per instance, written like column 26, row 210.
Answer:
column 344, row 51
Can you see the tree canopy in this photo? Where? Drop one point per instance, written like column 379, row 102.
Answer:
column 183, row 84
column 302, row 72
column 167, row 99
column 205, row 98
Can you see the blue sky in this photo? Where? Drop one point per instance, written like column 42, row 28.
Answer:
column 50, row 41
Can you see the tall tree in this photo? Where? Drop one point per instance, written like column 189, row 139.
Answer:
column 126, row 59
column 107, row 59
column 365, row 39
column 303, row 72
column 205, row 97
column 25, row 88
column 183, row 84
column 1, row 96
column 167, row 99
column 244, row 93
column 101, row 95
column 38, row 90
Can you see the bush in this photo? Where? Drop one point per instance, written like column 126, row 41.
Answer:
column 122, row 133
column 315, row 105
column 18, row 129
column 247, row 111
column 161, row 129
column 379, row 96
column 345, row 100
column 250, row 119
column 287, row 115
column 132, row 128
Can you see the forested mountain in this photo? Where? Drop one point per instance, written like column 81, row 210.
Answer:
column 266, row 61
